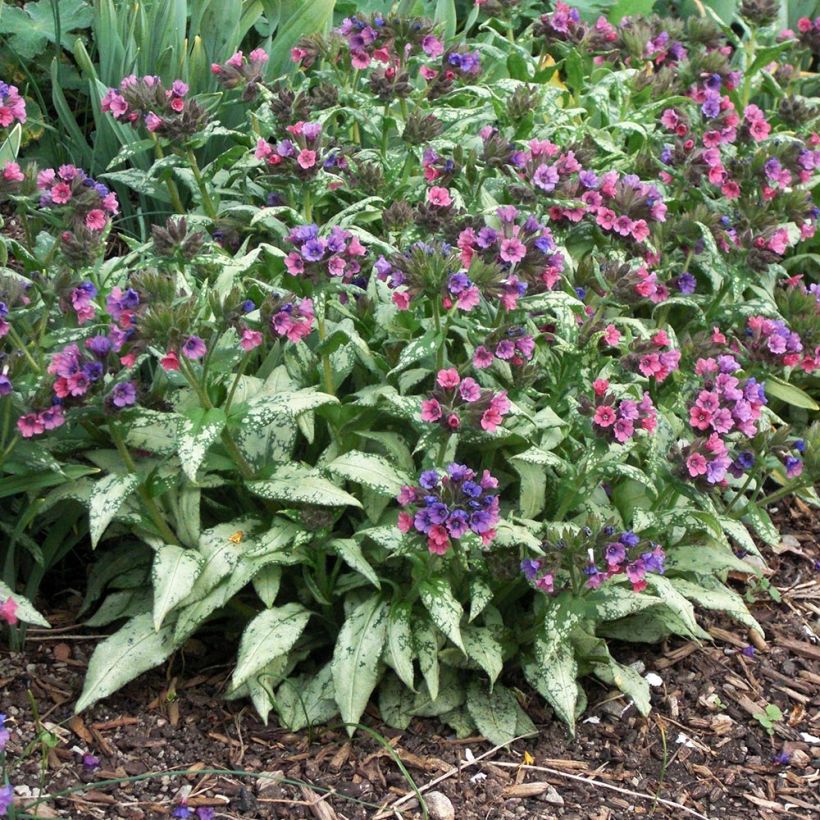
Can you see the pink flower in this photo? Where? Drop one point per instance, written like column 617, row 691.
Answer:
column 730, row 189
column 604, row 416
column 405, row 522
column 600, row 386
column 170, row 361
column 95, row 220
column 612, row 335
column 152, row 122
column 468, row 298
column 61, row 193
column 8, row 611
column 439, row 196
column 482, row 358
column 235, row 60
column 401, row 299
column 30, row 425
column 430, row 410
column 622, row 225
column 306, row 158
column 432, row 46
column 640, row 230
column 512, row 250
column 438, row 541
column 360, row 59
column 623, row 430
column 696, row 464
column 250, row 339
column 490, row 420
column 469, row 390
column 448, row 379
column 12, row 172
column 700, row 418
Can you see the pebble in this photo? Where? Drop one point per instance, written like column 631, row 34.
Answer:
column 439, row 806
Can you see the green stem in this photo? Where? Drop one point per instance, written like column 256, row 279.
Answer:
column 173, row 191
column 327, row 372
column 778, row 494
column 15, row 337
column 740, row 492
column 441, row 345
column 307, row 205
column 385, row 129
column 207, row 202
column 150, row 505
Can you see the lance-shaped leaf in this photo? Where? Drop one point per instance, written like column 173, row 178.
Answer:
column 370, row 471
column 132, row 650
column 25, row 610
column 197, row 432
column 173, row 574
column 271, row 633
column 445, row 611
column 400, row 641
column 107, row 496
column 300, row 485
column 495, row 712
column 356, row 658
column 485, row 650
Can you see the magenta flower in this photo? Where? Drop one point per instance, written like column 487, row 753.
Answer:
column 194, row 348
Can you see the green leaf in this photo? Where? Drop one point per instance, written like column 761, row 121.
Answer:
column 370, row 471
column 480, row 595
column 395, row 703
column 711, row 594
column 351, row 553
column 11, row 145
column 533, row 487
column 301, row 485
column 445, row 611
column 628, row 680
column 417, row 349
column 790, row 394
column 495, row 712
column 611, row 601
column 32, row 26
column 107, row 496
column 677, row 603
column 297, row 19
column 266, row 583
column 400, row 641
column 173, row 573
column 485, row 650
column 271, row 633
column 307, row 700
column 426, row 644
column 553, row 671
column 197, row 432
column 25, row 610
column 705, row 559
column 123, row 656
column 356, row 656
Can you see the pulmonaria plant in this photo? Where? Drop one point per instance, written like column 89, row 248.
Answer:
column 302, row 155
column 446, row 507
column 242, row 72
column 456, row 401
column 12, row 106
column 653, row 358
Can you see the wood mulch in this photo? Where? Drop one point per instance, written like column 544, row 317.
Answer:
column 701, row 753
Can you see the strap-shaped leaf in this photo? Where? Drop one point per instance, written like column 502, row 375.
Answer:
column 197, row 432
column 173, row 574
column 107, row 496
column 371, row 471
column 400, row 641
column 356, row 658
column 271, row 633
column 445, row 611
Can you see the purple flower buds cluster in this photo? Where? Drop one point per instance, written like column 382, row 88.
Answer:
column 301, row 154
column 445, row 507
column 336, row 256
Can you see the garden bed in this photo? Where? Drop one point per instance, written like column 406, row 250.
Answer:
column 701, row 747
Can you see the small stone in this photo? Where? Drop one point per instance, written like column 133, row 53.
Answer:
column 439, row 806
column 551, row 796
column 269, row 785
column 799, row 759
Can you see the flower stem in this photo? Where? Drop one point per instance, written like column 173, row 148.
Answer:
column 150, row 505
column 173, row 191
column 15, row 337
column 207, row 202
column 327, row 371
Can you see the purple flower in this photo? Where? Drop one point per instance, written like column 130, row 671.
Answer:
column 194, row 348
column 429, row 479
column 629, row 539
column 460, row 472
column 91, row 762
column 4, row 732
column 711, row 105
column 748, row 651
column 6, row 798
column 458, row 283
column 5, row 385
column 124, row 394
column 545, row 177
column 686, row 283
column 313, row 250
column 99, row 346
column 615, row 553
column 530, row 567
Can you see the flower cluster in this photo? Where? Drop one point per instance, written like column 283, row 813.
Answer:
column 654, row 358
column 89, row 203
column 12, row 106
column 302, row 155
column 564, row 25
column 165, row 112
column 771, row 340
column 337, row 256
column 293, row 319
column 455, row 400
column 724, row 404
column 243, row 72
column 521, row 245
column 449, row 506
column 512, row 345
column 618, row 419
column 604, row 556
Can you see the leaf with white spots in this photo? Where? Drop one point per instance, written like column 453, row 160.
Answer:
column 301, row 485
column 173, row 573
column 445, row 611
column 123, row 656
column 197, row 432
column 107, row 496
column 351, row 554
column 307, row 700
column 266, row 583
column 370, row 471
column 711, row 594
column 356, row 658
column 484, row 649
column 495, row 712
column 271, row 633
column 425, row 641
column 400, row 641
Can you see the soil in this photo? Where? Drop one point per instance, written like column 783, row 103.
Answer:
column 701, row 749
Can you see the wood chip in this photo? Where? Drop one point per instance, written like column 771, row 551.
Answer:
column 115, row 724
column 77, row 725
column 805, row 650
column 318, row 808
column 525, row 789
